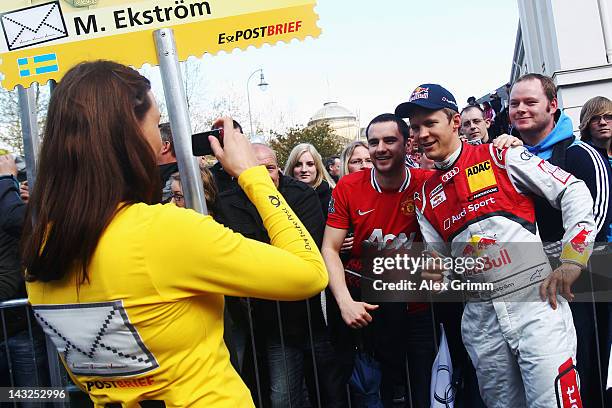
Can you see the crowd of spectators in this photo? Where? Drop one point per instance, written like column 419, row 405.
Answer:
column 307, row 353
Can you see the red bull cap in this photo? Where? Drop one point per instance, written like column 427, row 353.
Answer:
column 428, row 96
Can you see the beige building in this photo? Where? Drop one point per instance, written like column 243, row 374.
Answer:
column 344, row 122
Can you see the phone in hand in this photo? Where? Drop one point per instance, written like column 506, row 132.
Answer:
column 200, row 145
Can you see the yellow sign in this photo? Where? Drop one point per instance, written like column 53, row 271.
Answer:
column 480, row 176
column 42, row 39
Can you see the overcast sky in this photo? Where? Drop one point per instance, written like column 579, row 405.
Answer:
column 371, row 55
column 369, row 58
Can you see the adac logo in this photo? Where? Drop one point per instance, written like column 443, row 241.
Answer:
column 419, row 93
column 480, row 176
column 407, row 207
column 477, row 168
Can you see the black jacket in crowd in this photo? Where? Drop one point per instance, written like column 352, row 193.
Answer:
column 324, row 192
column 235, row 211
column 12, row 213
column 223, row 180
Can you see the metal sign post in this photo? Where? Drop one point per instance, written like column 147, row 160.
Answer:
column 178, row 112
column 29, row 130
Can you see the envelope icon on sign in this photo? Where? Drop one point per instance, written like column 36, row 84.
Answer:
column 33, row 25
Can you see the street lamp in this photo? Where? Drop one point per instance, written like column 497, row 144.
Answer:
column 263, row 85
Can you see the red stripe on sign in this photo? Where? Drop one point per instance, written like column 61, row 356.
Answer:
column 570, row 393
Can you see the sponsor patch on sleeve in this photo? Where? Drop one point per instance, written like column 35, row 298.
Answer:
column 579, row 248
column 558, row 173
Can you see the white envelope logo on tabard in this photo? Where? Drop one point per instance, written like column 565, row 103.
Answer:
column 33, row 25
column 96, row 339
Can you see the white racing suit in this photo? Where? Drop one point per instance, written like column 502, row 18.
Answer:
column 478, row 206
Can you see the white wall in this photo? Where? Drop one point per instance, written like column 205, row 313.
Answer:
column 579, row 33
column 573, row 97
column 564, row 39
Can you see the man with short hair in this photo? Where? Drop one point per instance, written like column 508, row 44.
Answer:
column 166, row 161
column 332, row 165
column 377, row 204
column 548, row 133
column 474, row 125
column 477, row 204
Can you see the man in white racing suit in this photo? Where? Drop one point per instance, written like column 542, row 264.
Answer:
column 477, row 204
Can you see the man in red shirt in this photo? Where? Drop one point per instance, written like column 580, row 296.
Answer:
column 378, row 205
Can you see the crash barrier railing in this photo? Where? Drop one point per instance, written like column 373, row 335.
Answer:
column 27, row 358
column 458, row 392
column 42, row 368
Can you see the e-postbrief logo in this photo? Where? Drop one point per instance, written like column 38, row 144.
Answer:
column 260, row 32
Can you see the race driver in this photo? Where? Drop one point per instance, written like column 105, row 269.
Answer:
column 478, row 204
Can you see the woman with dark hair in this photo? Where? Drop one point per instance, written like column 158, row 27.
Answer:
column 133, row 325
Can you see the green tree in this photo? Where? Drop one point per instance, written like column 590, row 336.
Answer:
column 321, row 136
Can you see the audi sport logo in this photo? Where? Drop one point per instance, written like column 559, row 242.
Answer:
column 450, row 174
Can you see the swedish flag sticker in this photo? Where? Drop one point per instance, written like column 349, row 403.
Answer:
column 39, row 64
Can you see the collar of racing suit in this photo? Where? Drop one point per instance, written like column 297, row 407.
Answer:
column 450, row 160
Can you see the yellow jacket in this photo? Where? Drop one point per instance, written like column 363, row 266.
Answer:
column 149, row 325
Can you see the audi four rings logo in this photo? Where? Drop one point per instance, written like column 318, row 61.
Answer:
column 450, row 174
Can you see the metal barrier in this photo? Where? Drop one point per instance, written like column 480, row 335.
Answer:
column 51, row 372
column 32, row 346
column 261, row 395
column 597, row 396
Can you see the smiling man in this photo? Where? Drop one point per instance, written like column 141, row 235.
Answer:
column 548, row 133
column 479, row 201
column 378, row 205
